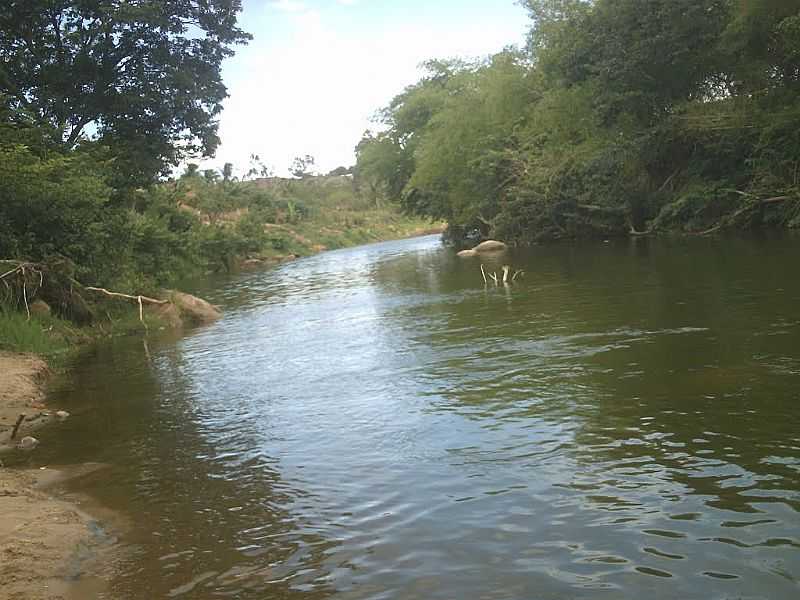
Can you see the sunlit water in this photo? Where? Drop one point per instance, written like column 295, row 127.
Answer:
column 374, row 423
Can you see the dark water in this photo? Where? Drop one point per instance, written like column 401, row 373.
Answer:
column 373, row 423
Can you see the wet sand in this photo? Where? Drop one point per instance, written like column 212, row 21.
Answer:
column 50, row 548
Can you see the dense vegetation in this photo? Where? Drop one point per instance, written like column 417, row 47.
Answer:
column 100, row 101
column 619, row 117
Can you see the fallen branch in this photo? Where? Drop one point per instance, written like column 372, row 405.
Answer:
column 20, row 419
column 484, row 275
column 138, row 299
column 731, row 218
column 633, row 232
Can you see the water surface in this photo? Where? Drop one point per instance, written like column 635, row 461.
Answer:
column 374, row 423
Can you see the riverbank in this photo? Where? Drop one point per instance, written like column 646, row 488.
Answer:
column 48, row 546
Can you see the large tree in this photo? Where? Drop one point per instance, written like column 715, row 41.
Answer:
column 141, row 76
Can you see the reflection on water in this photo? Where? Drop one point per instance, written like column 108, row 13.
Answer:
column 373, row 423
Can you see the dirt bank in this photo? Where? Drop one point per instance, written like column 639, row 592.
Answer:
column 21, row 393
column 48, row 547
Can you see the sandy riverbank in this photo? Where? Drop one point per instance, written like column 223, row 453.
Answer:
column 48, row 546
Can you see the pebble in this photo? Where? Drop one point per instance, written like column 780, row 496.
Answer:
column 28, row 443
column 62, row 414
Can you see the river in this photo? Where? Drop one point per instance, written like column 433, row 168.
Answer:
column 375, row 423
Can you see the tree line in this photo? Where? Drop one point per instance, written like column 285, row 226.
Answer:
column 618, row 117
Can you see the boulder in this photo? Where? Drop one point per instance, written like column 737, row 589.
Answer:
column 194, row 309
column 40, row 308
column 490, row 246
column 467, row 253
column 168, row 314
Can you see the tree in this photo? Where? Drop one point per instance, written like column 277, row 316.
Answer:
column 258, row 168
column 143, row 78
column 340, row 171
column 302, row 166
column 192, row 170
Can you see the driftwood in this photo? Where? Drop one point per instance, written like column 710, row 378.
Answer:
column 20, row 419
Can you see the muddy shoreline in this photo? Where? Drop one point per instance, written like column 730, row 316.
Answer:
column 51, row 548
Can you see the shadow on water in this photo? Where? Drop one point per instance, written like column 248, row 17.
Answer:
column 374, row 423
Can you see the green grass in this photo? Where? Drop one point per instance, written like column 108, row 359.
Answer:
column 46, row 336
column 54, row 338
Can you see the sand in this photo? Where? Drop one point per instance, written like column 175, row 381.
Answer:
column 49, row 548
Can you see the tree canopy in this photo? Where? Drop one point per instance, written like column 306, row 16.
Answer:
column 618, row 116
column 142, row 78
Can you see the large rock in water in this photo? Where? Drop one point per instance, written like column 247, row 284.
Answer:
column 194, row 308
column 169, row 314
column 490, row 246
column 467, row 253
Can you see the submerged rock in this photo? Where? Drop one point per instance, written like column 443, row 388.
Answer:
column 62, row 414
column 467, row 253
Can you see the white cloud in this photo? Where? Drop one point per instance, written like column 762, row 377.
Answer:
column 314, row 90
column 288, row 5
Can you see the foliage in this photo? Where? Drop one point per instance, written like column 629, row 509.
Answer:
column 618, row 116
column 41, row 335
column 302, row 166
column 143, row 78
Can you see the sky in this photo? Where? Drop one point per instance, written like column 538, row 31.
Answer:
column 318, row 70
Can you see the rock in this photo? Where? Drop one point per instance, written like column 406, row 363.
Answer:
column 194, row 308
column 252, row 263
column 490, row 246
column 62, row 414
column 168, row 314
column 40, row 308
column 467, row 253
column 28, row 443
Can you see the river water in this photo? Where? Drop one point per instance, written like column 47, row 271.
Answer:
column 375, row 423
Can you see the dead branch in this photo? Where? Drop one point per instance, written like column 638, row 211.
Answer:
column 633, row 232
column 139, row 299
column 22, row 269
column 752, row 206
column 484, row 275
column 20, row 419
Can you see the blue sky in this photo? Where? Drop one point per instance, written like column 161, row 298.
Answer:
column 317, row 70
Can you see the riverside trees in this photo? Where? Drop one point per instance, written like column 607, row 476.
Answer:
column 619, row 116
column 140, row 78
column 98, row 99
